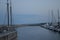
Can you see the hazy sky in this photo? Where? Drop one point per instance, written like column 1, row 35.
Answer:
column 41, row 8
column 35, row 6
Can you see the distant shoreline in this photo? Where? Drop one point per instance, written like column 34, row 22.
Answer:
column 20, row 25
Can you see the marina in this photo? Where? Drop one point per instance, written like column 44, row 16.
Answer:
column 40, row 30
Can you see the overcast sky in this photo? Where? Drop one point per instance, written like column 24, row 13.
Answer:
column 35, row 6
column 31, row 7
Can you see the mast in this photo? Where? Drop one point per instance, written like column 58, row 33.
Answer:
column 52, row 16
column 8, row 12
column 11, row 12
column 58, row 18
column 48, row 22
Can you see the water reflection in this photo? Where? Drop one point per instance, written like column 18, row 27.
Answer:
column 36, row 33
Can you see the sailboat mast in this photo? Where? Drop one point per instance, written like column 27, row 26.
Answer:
column 11, row 12
column 52, row 16
column 58, row 17
column 8, row 12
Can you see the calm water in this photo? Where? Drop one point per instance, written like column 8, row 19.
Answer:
column 28, row 19
column 36, row 33
column 24, row 19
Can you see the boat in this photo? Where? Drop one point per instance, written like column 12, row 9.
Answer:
column 54, row 26
column 8, row 32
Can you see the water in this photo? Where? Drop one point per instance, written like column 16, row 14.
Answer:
column 36, row 33
column 28, row 19
column 23, row 19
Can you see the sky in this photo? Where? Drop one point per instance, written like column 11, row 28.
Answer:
column 39, row 8
column 35, row 6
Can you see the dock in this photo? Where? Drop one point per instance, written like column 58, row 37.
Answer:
column 52, row 28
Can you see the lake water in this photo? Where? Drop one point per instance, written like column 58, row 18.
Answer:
column 36, row 33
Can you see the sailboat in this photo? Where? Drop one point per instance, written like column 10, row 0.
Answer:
column 55, row 27
column 8, row 32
